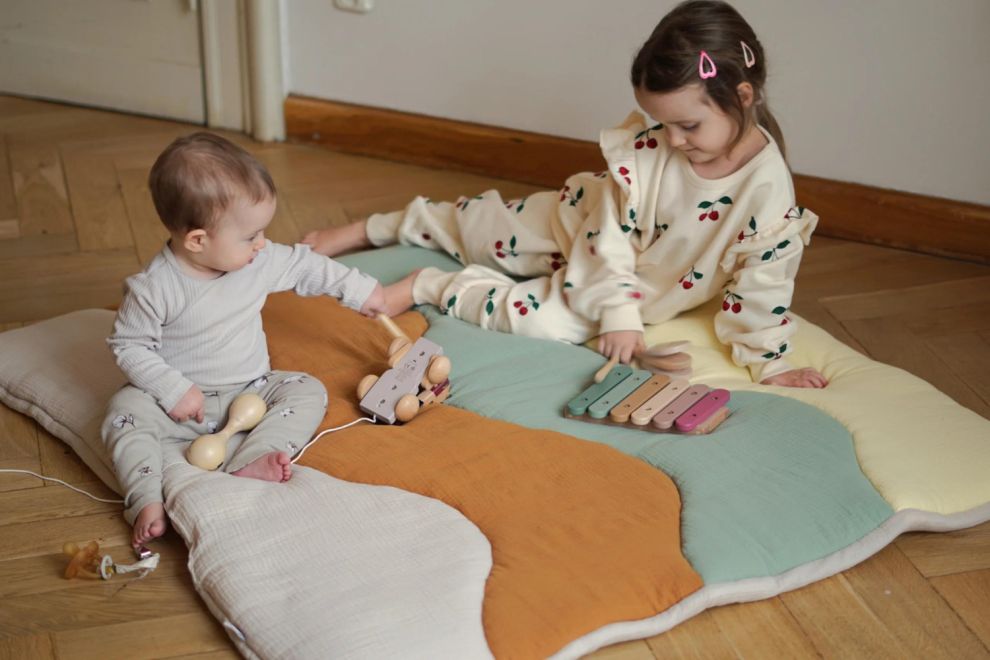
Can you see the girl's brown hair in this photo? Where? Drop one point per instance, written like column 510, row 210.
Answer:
column 198, row 176
column 670, row 58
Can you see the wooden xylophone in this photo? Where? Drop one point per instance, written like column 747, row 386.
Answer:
column 640, row 399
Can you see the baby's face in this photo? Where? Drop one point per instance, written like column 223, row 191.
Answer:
column 238, row 235
column 693, row 124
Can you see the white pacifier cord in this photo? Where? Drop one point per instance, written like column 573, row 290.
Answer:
column 323, row 433
column 59, row 481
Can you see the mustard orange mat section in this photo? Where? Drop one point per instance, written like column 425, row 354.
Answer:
column 581, row 534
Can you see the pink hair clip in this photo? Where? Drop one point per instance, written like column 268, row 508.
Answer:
column 711, row 72
column 748, row 57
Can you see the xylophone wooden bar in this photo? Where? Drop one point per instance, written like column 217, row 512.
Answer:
column 642, row 415
column 622, row 412
column 639, row 399
column 600, row 408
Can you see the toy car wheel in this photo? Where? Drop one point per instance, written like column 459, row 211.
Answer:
column 406, row 407
column 439, row 369
column 366, row 384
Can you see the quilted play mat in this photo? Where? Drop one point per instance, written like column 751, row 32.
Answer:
column 494, row 526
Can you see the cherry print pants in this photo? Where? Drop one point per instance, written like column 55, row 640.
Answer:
column 514, row 275
column 136, row 427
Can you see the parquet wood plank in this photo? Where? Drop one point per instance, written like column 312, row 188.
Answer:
column 60, row 124
column 637, row 650
column 20, row 647
column 966, row 317
column 41, row 287
column 146, row 228
column 968, row 356
column 763, row 628
column 163, row 637
column 8, row 201
column 100, row 604
column 310, row 211
column 283, row 228
column 9, row 229
column 887, row 340
column 13, row 106
column 20, row 435
column 47, row 536
column 228, row 654
column 948, row 553
column 39, row 186
column 97, row 203
column 698, row 638
column 907, row 605
column 840, row 624
column 24, row 506
column 924, row 301
column 969, row 595
column 858, row 268
column 40, row 245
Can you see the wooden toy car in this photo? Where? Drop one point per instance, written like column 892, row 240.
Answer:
column 417, row 378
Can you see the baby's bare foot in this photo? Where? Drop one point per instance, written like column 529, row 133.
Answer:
column 337, row 240
column 399, row 295
column 150, row 524
column 276, row 466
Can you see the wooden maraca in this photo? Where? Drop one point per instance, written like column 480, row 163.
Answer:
column 209, row 451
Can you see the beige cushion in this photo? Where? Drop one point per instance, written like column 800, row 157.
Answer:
column 61, row 373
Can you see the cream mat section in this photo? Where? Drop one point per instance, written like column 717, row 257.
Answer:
column 919, row 448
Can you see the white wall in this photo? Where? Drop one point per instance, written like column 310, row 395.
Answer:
column 891, row 93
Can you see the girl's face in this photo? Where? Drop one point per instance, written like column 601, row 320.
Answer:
column 692, row 122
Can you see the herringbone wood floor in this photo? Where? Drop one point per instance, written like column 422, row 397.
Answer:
column 76, row 219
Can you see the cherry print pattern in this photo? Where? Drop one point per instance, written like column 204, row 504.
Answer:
column 732, row 301
column 523, row 306
column 574, row 198
column 500, row 250
column 688, row 279
column 644, row 139
column 752, row 225
column 710, row 208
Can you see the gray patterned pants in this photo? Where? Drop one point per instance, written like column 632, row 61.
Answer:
column 136, row 427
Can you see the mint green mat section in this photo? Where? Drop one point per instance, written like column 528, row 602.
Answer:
column 775, row 486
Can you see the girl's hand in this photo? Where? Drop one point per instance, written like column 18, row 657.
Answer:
column 190, row 406
column 806, row 377
column 624, row 344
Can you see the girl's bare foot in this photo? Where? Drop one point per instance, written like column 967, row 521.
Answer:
column 806, row 377
column 276, row 466
column 150, row 524
column 337, row 240
column 399, row 296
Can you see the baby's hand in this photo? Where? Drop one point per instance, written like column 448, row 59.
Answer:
column 190, row 406
column 375, row 304
column 806, row 377
column 624, row 344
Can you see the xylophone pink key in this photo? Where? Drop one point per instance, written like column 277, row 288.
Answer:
column 666, row 417
column 702, row 410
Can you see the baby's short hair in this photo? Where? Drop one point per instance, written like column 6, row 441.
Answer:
column 198, row 176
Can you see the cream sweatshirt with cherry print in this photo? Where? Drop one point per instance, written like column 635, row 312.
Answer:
column 671, row 241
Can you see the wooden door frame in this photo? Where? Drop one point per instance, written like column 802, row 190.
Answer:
column 242, row 67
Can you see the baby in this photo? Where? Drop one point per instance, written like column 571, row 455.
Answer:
column 188, row 334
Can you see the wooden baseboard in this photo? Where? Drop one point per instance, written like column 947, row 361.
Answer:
column 847, row 210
